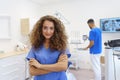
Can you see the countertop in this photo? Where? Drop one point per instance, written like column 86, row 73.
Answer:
column 13, row 53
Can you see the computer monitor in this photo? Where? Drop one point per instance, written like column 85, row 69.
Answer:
column 110, row 24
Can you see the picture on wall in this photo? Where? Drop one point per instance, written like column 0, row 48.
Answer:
column 110, row 24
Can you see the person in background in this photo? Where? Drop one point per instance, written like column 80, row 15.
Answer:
column 48, row 56
column 95, row 45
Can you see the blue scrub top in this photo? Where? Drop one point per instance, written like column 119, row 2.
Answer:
column 96, row 36
column 47, row 56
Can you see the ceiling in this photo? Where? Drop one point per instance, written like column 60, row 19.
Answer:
column 45, row 2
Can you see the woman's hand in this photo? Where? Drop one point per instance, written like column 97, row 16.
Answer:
column 35, row 63
column 62, row 57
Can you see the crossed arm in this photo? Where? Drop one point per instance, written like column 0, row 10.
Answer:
column 38, row 69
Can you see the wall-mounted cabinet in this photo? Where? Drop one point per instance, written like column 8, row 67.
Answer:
column 5, row 31
column 25, row 25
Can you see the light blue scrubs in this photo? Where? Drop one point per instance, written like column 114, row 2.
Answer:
column 48, row 56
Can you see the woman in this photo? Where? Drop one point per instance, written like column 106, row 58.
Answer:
column 48, row 57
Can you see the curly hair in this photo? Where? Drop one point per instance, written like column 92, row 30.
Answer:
column 59, row 39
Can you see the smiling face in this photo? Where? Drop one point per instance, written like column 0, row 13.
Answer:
column 48, row 29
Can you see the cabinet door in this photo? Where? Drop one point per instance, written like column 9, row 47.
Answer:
column 22, row 67
column 117, row 67
column 12, row 68
column 25, row 26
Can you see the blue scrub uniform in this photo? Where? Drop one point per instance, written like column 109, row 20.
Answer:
column 48, row 56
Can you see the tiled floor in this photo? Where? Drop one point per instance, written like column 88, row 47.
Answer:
column 83, row 74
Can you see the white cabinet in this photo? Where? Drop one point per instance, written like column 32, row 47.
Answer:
column 112, row 64
column 80, row 59
column 13, row 68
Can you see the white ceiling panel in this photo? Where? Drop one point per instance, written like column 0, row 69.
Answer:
column 46, row 1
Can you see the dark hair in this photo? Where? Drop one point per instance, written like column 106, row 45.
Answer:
column 90, row 21
column 59, row 39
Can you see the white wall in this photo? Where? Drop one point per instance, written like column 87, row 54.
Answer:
column 76, row 11
column 79, row 11
column 16, row 9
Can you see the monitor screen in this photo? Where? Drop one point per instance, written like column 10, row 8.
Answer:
column 110, row 24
